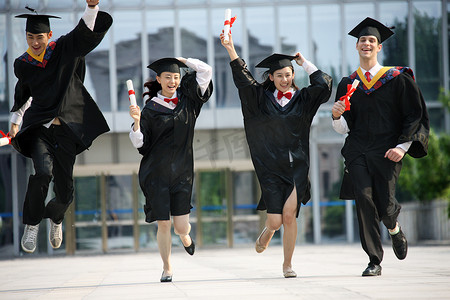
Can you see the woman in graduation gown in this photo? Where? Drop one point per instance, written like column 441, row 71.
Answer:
column 163, row 133
column 277, row 120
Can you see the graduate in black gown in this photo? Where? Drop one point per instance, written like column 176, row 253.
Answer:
column 59, row 118
column 277, row 121
column 163, row 134
column 385, row 119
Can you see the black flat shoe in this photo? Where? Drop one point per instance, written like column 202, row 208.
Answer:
column 399, row 244
column 372, row 270
column 191, row 248
column 167, row 278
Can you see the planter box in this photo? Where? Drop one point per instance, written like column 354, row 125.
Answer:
column 425, row 221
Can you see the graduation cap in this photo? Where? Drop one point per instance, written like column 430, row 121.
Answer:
column 370, row 26
column 276, row 61
column 168, row 64
column 37, row 23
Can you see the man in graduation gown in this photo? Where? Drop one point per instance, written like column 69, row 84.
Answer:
column 385, row 118
column 59, row 118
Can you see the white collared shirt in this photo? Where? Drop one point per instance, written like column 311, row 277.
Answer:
column 373, row 71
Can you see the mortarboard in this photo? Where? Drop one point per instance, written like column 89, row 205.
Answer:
column 168, row 64
column 370, row 26
column 37, row 23
column 276, row 61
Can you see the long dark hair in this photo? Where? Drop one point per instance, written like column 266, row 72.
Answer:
column 153, row 87
column 270, row 86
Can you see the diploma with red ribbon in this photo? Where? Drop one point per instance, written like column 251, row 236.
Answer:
column 131, row 93
column 350, row 90
column 5, row 140
column 227, row 25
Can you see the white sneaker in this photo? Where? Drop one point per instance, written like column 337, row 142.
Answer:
column 29, row 238
column 55, row 234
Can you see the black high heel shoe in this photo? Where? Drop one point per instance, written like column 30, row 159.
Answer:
column 191, row 248
column 167, row 278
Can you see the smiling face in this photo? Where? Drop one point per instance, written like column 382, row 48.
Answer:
column 169, row 82
column 282, row 79
column 368, row 47
column 38, row 41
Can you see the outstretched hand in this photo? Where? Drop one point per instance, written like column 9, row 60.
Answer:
column 229, row 46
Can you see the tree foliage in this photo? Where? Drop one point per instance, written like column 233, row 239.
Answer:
column 428, row 178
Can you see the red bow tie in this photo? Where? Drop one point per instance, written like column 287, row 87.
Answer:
column 281, row 95
column 173, row 100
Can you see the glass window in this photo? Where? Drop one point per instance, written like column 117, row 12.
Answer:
column 427, row 32
column 326, row 39
column 23, row 3
column 261, row 37
column 119, row 214
column 58, row 4
column 395, row 49
column 160, row 31
column 246, row 219
column 193, row 26
column 224, row 1
column 224, row 88
column 294, row 38
column 4, row 70
column 87, row 213
column 354, row 14
column 158, row 2
column 127, row 38
column 97, row 74
column 128, row 3
column 213, row 208
column 190, row 2
column 62, row 26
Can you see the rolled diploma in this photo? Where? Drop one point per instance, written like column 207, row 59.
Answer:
column 5, row 141
column 131, row 94
column 355, row 84
column 226, row 26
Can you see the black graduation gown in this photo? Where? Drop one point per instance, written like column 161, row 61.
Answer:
column 273, row 131
column 392, row 112
column 56, row 86
column 167, row 167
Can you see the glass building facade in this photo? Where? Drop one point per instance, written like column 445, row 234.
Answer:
column 146, row 30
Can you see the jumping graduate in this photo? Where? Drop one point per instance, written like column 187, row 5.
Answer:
column 163, row 133
column 59, row 118
column 385, row 119
column 277, row 120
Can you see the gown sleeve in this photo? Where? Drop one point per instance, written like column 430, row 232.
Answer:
column 318, row 92
column 145, row 127
column 416, row 126
column 82, row 40
column 22, row 93
column 250, row 91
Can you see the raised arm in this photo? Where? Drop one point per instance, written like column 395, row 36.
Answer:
column 229, row 46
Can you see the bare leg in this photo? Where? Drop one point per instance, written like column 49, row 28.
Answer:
column 182, row 228
column 164, row 239
column 290, row 230
column 273, row 223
